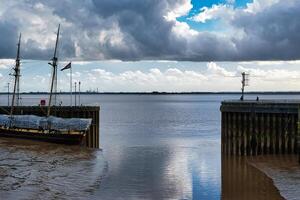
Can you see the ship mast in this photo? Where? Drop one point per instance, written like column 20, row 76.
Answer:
column 54, row 74
column 17, row 79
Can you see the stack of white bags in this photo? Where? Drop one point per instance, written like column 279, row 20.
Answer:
column 45, row 123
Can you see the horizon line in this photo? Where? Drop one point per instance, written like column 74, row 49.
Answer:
column 157, row 92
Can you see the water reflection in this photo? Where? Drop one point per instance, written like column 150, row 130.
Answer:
column 181, row 169
column 240, row 180
column 37, row 170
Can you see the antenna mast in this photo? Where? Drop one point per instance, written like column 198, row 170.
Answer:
column 54, row 74
column 17, row 79
column 245, row 82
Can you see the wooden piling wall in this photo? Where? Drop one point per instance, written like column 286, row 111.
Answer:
column 92, row 136
column 260, row 127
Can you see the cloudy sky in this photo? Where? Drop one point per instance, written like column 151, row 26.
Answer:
column 161, row 45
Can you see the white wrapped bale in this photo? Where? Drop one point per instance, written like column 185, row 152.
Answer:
column 52, row 123
column 44, row 123
column 4, row 120
column 26, row 121
column 79, row 124
column 66, row 124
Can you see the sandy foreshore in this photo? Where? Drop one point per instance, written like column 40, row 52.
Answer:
column 284, row 170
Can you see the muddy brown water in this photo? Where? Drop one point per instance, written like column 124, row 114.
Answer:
column 284, row 171
column 241, row 180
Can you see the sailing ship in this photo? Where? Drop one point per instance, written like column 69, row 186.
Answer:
column 45, row 128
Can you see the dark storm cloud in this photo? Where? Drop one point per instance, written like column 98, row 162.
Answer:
column 137, row 30
column 32, row 50
column 144, row 25
column 272, row 34
column 8, row 39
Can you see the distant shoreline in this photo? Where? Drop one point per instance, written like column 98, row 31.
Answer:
column 160, row 93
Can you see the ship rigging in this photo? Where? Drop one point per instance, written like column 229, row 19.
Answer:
column 47, row 128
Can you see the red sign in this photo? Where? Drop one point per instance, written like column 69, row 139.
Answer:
column 43, row 102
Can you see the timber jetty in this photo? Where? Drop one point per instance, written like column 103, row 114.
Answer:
column 91, row 138
column 260, row 127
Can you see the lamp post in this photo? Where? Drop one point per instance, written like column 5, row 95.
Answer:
column 75, row 95
column 79, row 93
column 7, row 94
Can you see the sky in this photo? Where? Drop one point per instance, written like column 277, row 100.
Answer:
column 154, row 45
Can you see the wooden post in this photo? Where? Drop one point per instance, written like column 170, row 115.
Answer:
column 272, row 133
column 249, row 133
column 239, row 135
column 260, row 134
column 229, row 135
column 223, row 131
column 225, row 143
column 234, row 133
column 298, row 135
column 243, row 136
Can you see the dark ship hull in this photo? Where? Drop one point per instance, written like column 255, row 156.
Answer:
column 60, row 138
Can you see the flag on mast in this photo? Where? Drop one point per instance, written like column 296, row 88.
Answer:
column 68, row 66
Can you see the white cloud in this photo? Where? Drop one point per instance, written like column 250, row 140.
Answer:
column 272, row 63
column 221, row 11
column 154, row 79
column 182, row 29
column 216, row 77
column 227, row 11
column 274, row 75
column 180, row 9
column 173, row 77
column 81, row 62
column 6, row 63
column 293, row 62
column 214, row 69
column 35, row 23
column 101, row 74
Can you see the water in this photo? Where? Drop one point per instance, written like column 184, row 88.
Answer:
column 153, row 147
column 284, row 170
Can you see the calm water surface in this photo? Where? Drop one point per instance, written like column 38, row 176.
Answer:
column 153, row 147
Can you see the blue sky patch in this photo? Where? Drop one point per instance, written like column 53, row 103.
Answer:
column 210, row 25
